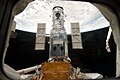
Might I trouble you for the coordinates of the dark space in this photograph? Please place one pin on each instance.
(92, 58)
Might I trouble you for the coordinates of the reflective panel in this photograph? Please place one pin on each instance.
(40, 37)
(76, 36)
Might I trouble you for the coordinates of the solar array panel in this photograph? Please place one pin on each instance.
(76, 36)
(40, 37)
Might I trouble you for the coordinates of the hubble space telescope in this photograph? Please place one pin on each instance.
(58, 66)
(58, 37)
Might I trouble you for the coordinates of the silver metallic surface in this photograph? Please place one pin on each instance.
(58, 34)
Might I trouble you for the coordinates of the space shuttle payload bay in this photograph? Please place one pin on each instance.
(58, 65)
